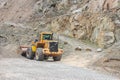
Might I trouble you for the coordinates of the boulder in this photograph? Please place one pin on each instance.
(79, 48)
(99, 50)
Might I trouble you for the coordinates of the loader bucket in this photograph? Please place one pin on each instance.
(24, 48)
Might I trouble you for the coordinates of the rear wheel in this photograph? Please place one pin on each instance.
(57, 58)
(39, 56)
(29, 53)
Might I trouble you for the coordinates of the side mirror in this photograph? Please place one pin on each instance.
(36, 40)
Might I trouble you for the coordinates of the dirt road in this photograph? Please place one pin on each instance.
(24, 69)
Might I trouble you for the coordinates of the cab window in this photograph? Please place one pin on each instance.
(47, 37)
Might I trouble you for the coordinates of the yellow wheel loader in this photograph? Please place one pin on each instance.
(43, 48)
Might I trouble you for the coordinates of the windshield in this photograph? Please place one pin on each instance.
(47, 36)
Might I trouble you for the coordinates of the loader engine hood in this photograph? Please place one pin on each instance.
(53, 46)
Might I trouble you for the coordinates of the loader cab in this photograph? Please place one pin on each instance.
(46, 37)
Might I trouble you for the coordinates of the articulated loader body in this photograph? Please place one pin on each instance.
(43, 48)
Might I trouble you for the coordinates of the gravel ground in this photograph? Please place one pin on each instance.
(24, 69)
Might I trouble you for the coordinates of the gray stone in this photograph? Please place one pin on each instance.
(99, 50)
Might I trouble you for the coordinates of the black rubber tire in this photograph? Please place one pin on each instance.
(39, 56)
(57, 58)
(29, 53)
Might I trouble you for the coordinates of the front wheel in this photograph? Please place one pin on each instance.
(39, 56)
(29, 53)
(57, 58)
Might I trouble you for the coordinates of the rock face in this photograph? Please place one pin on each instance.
(95, 27)
(105, 5)
(103, 34)
(16, 11)
(11, 33)
(95, 20)
(111, 4)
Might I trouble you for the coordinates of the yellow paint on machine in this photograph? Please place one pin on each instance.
(34, 48)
